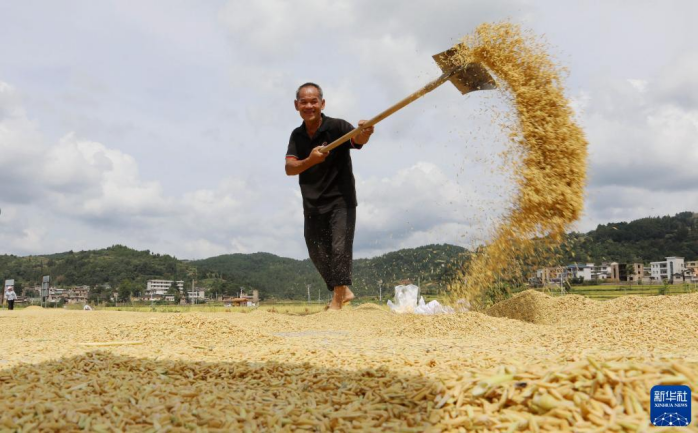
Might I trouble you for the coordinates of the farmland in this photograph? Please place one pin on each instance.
(533, 362)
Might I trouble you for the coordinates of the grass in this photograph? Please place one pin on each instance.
(605, 292)
(302, 308)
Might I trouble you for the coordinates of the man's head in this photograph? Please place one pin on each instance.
(309, 102)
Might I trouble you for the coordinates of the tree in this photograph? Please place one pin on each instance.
(630, 269)
(185, 295)
(664, 288)
(174, 290)
(98, 294)
(125, 291)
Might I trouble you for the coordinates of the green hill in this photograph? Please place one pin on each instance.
(287, 278)
(431, 266)
(275, 277)
(109, 267)
(644, 240)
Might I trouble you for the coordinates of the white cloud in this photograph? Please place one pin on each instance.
(73, 179)
(678, 81)
(639, 141)
(120, 188)
(639, 85)
(20, 150)
(420, 203)
(644, 149)
(167, 131)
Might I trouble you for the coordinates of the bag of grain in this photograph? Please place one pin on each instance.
(405, 299)
(432, 308)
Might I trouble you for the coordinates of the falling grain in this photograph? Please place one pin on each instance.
(551, 175)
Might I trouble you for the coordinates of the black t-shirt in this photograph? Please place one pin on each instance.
(330, 184)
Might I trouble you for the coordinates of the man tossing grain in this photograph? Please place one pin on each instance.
(327, 187)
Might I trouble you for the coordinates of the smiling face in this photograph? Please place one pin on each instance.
(309, 104)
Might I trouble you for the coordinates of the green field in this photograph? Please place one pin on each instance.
(598, 292)
(605, 292)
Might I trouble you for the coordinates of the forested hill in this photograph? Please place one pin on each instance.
(111, 266)
(277, 277)
(430, 265)
(642, 241)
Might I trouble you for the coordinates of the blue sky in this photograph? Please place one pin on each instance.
(163, 125)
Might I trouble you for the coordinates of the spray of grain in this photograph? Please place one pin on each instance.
(550, 176)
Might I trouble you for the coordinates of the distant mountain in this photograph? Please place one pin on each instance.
(110, 266)
(431, 266)
(286, 278)
(274, 276)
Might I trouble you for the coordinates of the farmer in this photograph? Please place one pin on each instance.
(11, 296)
(327, 187)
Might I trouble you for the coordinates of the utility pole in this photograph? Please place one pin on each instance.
(380, 290)
(308, 286)
(562, 287)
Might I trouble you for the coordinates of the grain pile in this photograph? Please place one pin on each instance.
(536, 307)
(553, 150)
(362, 369)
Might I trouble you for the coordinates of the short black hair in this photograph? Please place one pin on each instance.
(298, 92)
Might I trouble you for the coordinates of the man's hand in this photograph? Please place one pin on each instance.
(295, 167)
(316, 157)
(364, 135)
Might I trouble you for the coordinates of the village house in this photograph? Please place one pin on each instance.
(72, 295)
(673, 270)
(157, 289)
(198, 294)
(549, 275)
(691, 271)
(242, 300)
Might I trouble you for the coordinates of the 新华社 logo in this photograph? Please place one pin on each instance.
(670, 405)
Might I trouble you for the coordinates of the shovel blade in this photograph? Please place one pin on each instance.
(468, 78)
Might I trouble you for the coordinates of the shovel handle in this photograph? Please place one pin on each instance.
(408, 100)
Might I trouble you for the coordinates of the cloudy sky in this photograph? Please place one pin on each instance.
(163, 124)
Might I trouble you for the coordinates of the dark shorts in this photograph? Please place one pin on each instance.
(330, 240)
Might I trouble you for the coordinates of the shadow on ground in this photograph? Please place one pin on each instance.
(100, 391)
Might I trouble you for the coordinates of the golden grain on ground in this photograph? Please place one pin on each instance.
(532, 363)
(551, 174)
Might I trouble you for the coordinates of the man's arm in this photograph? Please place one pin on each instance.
(296, 166)
(364, 136)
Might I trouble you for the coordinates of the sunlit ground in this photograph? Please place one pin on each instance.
(550, 364)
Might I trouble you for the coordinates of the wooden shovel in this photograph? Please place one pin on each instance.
(467, 78)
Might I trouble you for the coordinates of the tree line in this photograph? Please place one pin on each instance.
(126, 271)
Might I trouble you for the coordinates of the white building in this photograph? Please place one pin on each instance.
(691, 272)
(577, 270)
(55, 294)
(549, 275)
(158, 288)
(603, 271)
(197, 294)
(668, 269)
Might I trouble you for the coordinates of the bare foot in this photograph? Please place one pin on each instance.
(336, 302)
(348, 295)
